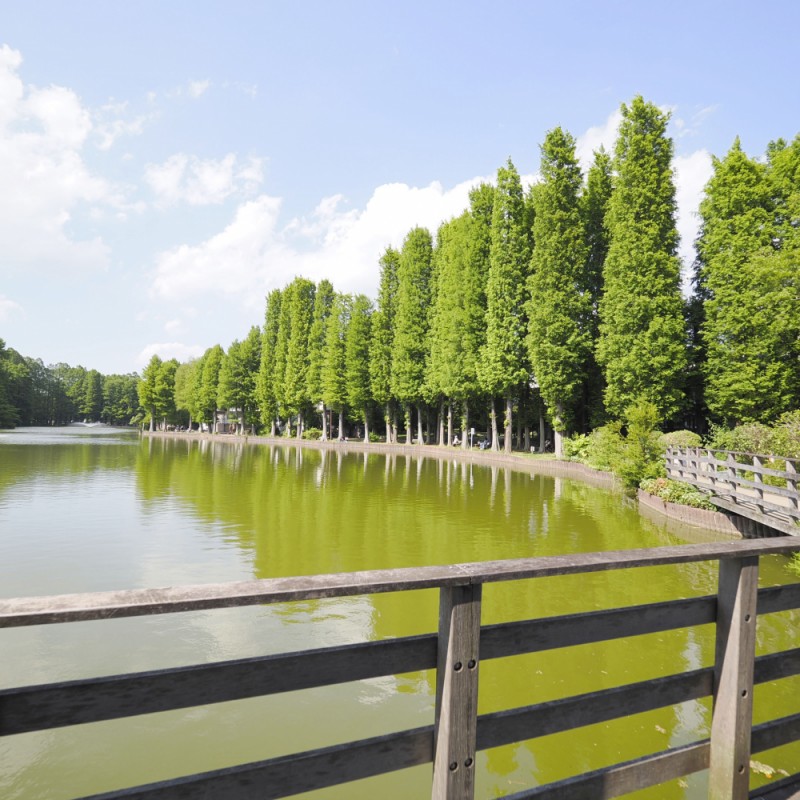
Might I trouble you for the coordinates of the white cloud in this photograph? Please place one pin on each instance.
(601, 135)
(110, 123)
(44, 178)
(692, 173)
(189, 179)
(255, 254)
(173, 325)
(8, 308)
(168, 350)
(197, 88)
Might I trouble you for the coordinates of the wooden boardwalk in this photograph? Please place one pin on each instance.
(749, 485)
(456, 651)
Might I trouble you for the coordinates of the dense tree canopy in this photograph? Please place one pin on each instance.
(571, 288)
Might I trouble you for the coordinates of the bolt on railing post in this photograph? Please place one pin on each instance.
(456, 693)
(732, 717)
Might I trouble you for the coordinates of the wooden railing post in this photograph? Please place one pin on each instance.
(732, 718)
(758, 477)
(791, 484)
(457, 693)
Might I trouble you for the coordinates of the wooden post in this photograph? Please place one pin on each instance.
(791, 484)
(732, 718)
(732, 472)
(758, 478)
(457, 693)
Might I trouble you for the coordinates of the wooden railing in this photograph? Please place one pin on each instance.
(745, 483)
(456, 652)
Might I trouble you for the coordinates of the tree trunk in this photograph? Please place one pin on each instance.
(465, 443)
(542, 431)
(366, 428)
(152, 420)
(387, 419)
(420, 435)
(527, 439)
(409, 437)
(493, 417)
(509, 423)
(440, 425)
(519, 429)
(272, 430)
(558, 439)
(299, 424)
(449, 423)
(324, 423)
(341, 424)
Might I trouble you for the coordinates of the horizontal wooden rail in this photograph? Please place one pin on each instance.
(25, 709)
(22, 611)
(741, 479)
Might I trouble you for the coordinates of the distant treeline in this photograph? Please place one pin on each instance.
(555, 309)
(33, 394)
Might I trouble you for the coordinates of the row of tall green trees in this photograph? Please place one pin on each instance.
(554, 308)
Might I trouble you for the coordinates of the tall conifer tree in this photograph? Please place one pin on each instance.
(642, 346)
(502, 365)
(380, 355)
(265, 384)
(334, 369)
(357, 343)
(412, 320)
(559, 308)
(295, 387)
(323, 304)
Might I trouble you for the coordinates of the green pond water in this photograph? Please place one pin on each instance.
(92, 509)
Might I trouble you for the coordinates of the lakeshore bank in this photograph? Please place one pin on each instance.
(715, 522)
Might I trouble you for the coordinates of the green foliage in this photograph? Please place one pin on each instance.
(300, 298)
(412, 320)
(633, 455)
(780, 439)
(357, 342)
(675, 492)
(323, 303)
(794, 563)
(642, 346)
(312, 434)
(383, 322)
(578, 447)
(502, 363)
(334, 385)
(266, 391)
(680, 439)
(559, 308)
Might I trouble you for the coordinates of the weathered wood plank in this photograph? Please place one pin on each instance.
(532, 636)
(620, 779)
(34, 708)
(304, 772)
(769, 520)
(775, 733)
(732, 715)
(530, 722)
(457, 693)
(785, 789)
(778, 598)
(16, 612)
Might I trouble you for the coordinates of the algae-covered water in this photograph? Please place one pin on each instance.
(91, 509)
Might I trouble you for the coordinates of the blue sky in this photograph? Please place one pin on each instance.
(164, 165)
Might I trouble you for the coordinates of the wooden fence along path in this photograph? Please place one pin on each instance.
(752, 486)
(456, 651)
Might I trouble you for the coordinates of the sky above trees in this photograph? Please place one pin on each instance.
(165, 166)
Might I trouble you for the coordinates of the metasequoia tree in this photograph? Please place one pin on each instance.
(357, 340)
(642, 345)
(266, 392)
(502, 364)
(380, 354)
(412, 319)
(559, 308)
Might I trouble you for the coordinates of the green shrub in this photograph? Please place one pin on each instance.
(312, 433)
(676, 492)
(680, 439)
(604, 447)
(794, 564)
(375, 437)
(577, 447)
